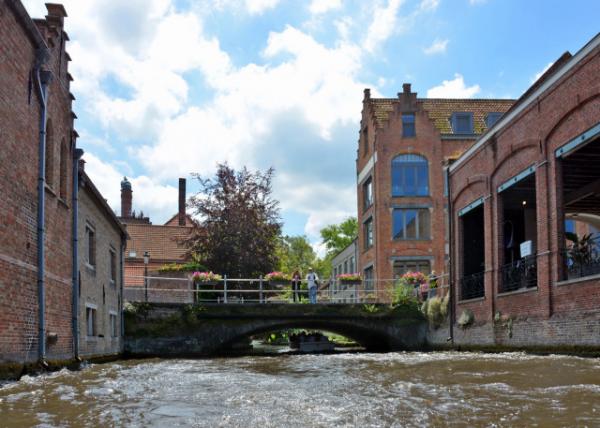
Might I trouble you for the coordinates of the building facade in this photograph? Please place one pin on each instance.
(37, 142)
(404, 148)
(101, 244)
(514, 195)
(344, 262)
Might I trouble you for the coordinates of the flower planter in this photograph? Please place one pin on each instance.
(351, 282)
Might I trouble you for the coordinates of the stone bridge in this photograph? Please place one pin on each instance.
(168, 329)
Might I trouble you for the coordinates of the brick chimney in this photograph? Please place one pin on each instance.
(126, 196)
(408, 99)
(182, 202)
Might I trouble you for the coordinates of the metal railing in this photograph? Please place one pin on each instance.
(258, 290)
(519, 274)
(472, 286)
(582, 260)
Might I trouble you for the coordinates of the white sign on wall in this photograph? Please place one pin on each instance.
(526, 248)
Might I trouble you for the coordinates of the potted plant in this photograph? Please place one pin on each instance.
(204, 281)
(278, 278)
(349, 278)
(417, 281)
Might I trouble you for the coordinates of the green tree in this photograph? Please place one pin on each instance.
(295, 252)
(336, 237)
(239, 223)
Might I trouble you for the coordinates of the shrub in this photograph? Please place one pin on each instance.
(182, 267)
(404, 295)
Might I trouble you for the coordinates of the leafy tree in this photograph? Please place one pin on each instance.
(295, 252)
(336, 237)
(239, 222)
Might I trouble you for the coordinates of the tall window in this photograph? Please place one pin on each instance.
(368, 193)
(113, 266)
(411, 223)
(408, 125)
(90, 316)
(462, 123)
(368, 231)
(90, 243)
(410, 176)
(368, 278)
(113, 324)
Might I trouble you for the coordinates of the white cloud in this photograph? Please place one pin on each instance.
(322, 6)
(257, 7)
(541, 72)
(156, 200)
(383, 25)
(429, 5)
(455, 88)
(438, 46)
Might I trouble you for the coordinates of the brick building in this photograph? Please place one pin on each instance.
(101, 244)
(162, 242)
(404, 148)
(37, 142)
(511, 194)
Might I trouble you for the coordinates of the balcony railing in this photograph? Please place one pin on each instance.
(472, 286)
(519, 274)
(583, 259)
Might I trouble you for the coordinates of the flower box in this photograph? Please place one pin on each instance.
(278, 278)
(349, 278)
(208, 278)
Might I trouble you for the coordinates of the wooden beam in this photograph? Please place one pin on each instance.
(590, 189)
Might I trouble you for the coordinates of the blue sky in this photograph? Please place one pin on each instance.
(166, 88)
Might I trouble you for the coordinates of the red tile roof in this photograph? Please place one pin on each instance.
(162, 242)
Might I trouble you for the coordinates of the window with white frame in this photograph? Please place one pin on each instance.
(90, 320)
(90, 245)
(114, 332)
(112, 255)
(368, 233)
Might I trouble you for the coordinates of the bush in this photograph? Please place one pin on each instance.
(436, 310)
(404, 295)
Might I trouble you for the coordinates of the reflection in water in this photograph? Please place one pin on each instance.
(395, 389)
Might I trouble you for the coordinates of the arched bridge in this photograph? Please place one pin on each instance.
(167, 329)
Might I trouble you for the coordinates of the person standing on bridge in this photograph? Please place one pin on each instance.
(296, 279)
(313, 281)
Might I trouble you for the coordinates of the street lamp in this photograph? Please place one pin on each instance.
(146, 260)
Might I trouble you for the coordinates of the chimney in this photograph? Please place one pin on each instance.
(406, 88)
(182, 202)
(126, 198)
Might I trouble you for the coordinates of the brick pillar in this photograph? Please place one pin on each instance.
(126, 197)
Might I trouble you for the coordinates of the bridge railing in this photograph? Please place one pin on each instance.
(257, 290)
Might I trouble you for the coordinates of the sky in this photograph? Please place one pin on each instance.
(167, 88)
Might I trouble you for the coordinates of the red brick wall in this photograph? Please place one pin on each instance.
(19, 119)
(568, 108)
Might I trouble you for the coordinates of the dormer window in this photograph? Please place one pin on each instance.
(492, 118)
(462, 123)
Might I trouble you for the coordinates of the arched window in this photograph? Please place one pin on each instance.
(49, 154)
(410, 176)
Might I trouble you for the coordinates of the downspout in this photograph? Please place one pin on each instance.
(77, 153)
(43, 79)
(450, 257)
(122, 279)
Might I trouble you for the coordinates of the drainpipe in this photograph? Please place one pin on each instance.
(77, 153)
(122, 280)
(43, 79)
(450, 258)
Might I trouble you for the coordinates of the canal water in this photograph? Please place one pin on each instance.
(350, 390)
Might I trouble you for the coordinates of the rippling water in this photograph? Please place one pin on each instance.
(395, 389)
